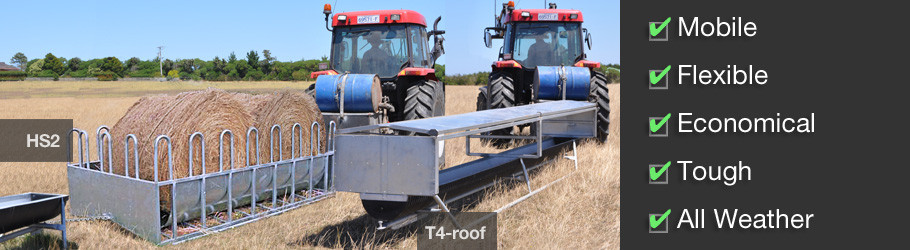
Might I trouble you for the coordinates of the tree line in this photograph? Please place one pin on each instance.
(254, 67)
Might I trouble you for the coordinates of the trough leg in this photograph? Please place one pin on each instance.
(445, 208)
(63, 222)
(525, 170)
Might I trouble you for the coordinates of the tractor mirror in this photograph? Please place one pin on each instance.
(487, 39)
(588, 40)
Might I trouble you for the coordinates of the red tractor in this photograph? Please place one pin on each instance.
(380, 68)
(543, 58)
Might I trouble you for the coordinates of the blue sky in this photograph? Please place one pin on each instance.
(292, 30)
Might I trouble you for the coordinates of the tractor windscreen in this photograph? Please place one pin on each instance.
(374, 49)
(546, 44)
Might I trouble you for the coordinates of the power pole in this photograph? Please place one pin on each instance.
(160, 61)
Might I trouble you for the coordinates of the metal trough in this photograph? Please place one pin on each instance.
(403, 174)
(245, 194)
(30, 210)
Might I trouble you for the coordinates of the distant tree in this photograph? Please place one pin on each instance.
(267, 60)
(218, 65)
(440, 72)
(238, 69)
(253, 59)
(35, 66)
(198, 64)
(19, 60)
(73, 64)
(232, 58)
(188, 65)
(254, 75)
(167, 65)
(324, 58)
(64, 62)
(53, 63)
(132, 63)
(112, 64)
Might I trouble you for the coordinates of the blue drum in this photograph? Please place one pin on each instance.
(362, 92)
(548, 83)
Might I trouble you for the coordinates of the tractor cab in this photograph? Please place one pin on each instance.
(380, 68)
(382, 42)
(539, 37)
(388, 43)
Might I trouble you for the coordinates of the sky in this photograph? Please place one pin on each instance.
(291, 30)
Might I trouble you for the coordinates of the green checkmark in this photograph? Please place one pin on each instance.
(656, 222)
(657, 174)
(656, 126)
(656, 78)
(656, 30)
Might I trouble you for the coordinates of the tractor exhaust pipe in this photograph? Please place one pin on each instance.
(438, 49)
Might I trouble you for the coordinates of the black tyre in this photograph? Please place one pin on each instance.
(600, 95)
(501, 91)
(311, 90)
(440, 96)
(482, 99)
(424, 99)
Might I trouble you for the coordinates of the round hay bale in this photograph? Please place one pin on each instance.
(209, 111)
(285, 108)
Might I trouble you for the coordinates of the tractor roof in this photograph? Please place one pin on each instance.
(378, 17)
(535, 15)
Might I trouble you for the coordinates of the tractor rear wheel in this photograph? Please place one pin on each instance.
(600, 95)
(502, 95)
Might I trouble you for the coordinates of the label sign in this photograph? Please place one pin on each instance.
(36, 140)
(474, 230)
(548, 17)
(368, 19)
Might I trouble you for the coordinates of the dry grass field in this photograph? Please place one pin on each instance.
(582, 211)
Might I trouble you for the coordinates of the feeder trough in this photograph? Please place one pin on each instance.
(31, 210)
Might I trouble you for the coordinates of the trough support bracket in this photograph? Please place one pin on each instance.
(574, 156)
(445, 209)
(527, 177)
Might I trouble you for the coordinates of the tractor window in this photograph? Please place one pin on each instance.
(546, 43)
(419, 51)
(373, 49)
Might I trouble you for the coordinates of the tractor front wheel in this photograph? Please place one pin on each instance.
(311, 90)
(501, 91)
(424, 99)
